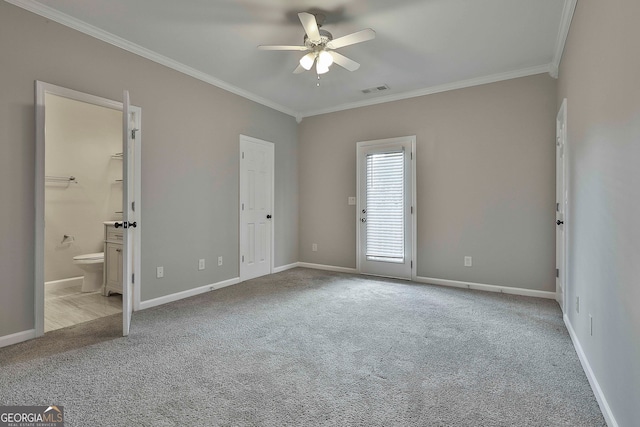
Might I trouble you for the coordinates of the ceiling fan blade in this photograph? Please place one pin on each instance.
(279, 47)
(357, 37)
(310, 26)
(344, 62)
(299, 69)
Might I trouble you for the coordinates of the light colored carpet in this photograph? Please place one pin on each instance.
(316, 348)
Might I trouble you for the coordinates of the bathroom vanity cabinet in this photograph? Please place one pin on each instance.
(112, 259)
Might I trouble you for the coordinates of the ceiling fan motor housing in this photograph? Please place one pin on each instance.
(325, 37)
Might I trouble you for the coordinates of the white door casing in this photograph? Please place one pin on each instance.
(386, 210)
(131, 185)
(561, 206)
(256, 207)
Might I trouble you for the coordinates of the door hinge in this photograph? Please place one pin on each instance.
(243, 154)
(133, 133)
(557, 272)
(411, 210)
(133, 278)
(133, 206)
(557, 207)
(412, 155)
(411, 263)
(243, 206)
(242, 258)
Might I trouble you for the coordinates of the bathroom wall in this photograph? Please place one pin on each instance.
(80, 141)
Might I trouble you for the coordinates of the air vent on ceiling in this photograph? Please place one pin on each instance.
(375, 89)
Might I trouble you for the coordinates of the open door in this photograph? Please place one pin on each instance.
(129, 220)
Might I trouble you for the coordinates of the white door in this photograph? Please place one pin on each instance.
(256, 207)
(385, 207)
(129, 220)
(561, 204)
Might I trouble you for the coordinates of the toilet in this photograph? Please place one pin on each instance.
(92, 265)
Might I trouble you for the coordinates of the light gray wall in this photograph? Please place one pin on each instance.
(81, 140)
(485, 181)
(189, 160)
(599, 76)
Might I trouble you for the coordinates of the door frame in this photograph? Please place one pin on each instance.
(41, 89)
(561, 138)
(243, 139)
(414, 198)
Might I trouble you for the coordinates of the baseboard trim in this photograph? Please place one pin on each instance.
(285, 267)
(485, 287)
(17, 337)
(593, 382)
(64, 283)
(186, 294)
(327, 267)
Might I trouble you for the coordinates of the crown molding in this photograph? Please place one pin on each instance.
(563, 32)
(524, 72)
(83, 27)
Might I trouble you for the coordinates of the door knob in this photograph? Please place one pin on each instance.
(268, 216)
(117, 224)
(559, 222)
(363, 219)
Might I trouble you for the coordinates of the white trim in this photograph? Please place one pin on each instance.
(17, 337)
(487, 288)
(114, 40)
(188, 293)
(285, 267)
(64, 283)
(327, 267)
(565, 23)
(41, 89)
(541, 69)
(593, 382)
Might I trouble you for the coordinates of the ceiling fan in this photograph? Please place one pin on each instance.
(321, 45)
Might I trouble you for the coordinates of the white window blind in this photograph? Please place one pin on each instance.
(385, 207)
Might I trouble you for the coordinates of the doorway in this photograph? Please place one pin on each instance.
(85, 134)
(561, 206)
(256, 207)
(386, 207)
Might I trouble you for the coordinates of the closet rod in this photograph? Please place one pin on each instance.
(61, 179)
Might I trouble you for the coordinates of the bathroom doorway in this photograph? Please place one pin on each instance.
(87, 236)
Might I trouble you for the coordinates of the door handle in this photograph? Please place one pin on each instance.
(559, 222)
(268, 216)
(125, 224)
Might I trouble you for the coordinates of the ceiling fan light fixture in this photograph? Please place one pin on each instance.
(307, 61)
(325, 59)
(320, 69)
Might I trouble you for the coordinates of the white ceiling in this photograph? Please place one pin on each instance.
(421, 46)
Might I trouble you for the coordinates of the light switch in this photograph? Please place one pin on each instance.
(352, 201)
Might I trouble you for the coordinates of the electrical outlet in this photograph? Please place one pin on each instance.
(219, 261)
(352, 201)
(577, 304)
(468, 261)
(159, 272)
(314, 247)
(201, 264)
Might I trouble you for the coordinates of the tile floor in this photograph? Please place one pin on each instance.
(69, 306)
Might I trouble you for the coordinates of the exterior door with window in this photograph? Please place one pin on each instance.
(385, 197)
